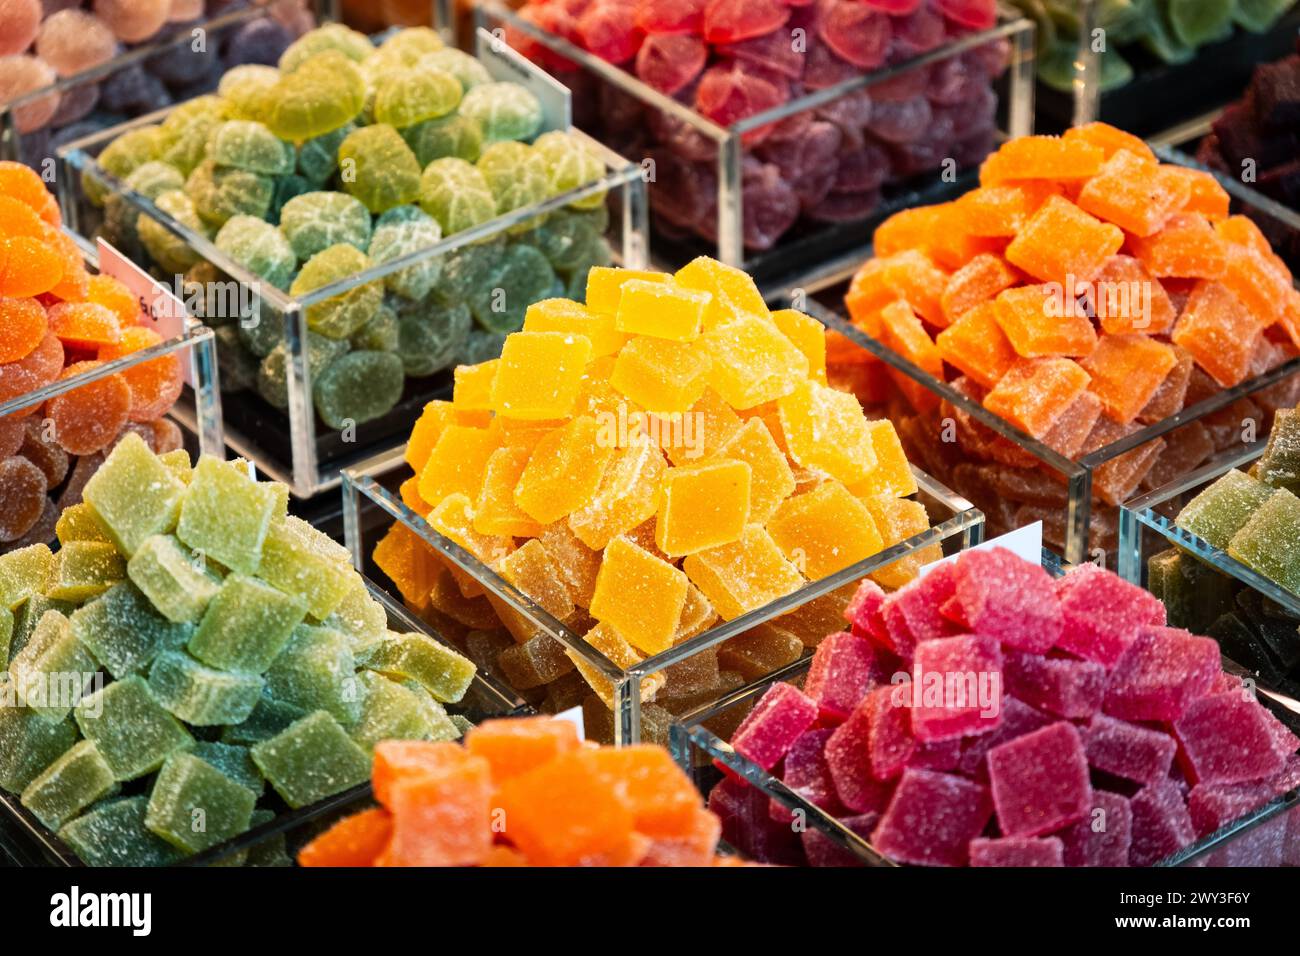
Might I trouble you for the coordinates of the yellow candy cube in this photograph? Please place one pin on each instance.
(892, 475)
(596, 396)
(454, 519)
(734, 292)
(825, 429)
(433, 421)
(753, 362)
(770, 415)
(446, 599)
(456, 463)
(578, 563)
(411, 564)
(898, 519)
(626, 497)
(605, 286)
(472, 389)
(565, 315)
(702, 506)
(808, 336)
(517, 433)
(699, 432)
(639, 595)
(531, 569)
(697, 615)
(825, 530)
(744, 575)
(564, 471)
(659, 375)
(409, 492)
(771, 480)
(538, 375)
(661, 309)
(609, 642)
(495, 511)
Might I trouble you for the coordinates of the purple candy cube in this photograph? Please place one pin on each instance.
(1162, 671)
(1225, 739)
(775, 723)
(863, 613)
(1007, 598)
(1103, 837)
(1018, 719)
(956, 687)
(1017, 851)
(822, 850)
(939, 755)
(1040, 781)
(932, 818)
(746, 825)
(1102, 613)
(1161, 824)
(807, 774)
(1126, 750)
(1067, 688)
(843, 669)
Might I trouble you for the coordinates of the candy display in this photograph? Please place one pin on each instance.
(994, 716)
(729, 62)
(1083, 291)
(344, 159)
(193, 659)
(57, 322)
(523, 792)
(665, 457)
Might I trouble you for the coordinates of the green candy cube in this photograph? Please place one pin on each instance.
(194, 805)
(178, 463)
(462, 725)
(133, 732)
(246, 625)
(134, 494)
(1266, 543)
(177, 581)
(29, 743)
(1279, 466)
(269, 717)
(234, 761)
(435, 714)
(359, 615)
(440, 670)
(314, 759)
(1220, 511)
(52, 671)
(84, 569)
(6, 632)
(391, 711)
(298, 559)
(316, 671)
(66, 787)
(29, 614)
(113, 833)
(201, 695)
(123, 632)
(226, 514)
(24, 573)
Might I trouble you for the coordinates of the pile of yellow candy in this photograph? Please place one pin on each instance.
(664, 456)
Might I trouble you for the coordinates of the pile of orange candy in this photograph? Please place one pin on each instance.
(58, 321)
(524, 792)
(1083, 291)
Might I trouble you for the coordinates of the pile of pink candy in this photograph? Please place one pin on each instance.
(1090, 733)
(733, 59)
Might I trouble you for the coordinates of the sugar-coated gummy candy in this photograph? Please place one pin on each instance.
(315, 221)
(321, 95)
(260, 248)
(456, 194)
(310, 760)
(358, 387)
(123, 631)
(132, 731)
(406, 97)
(342, 314)
(68, 785)
(380, 168)
(401, 231)
(504, 111)
(113, 833)
(186, 784)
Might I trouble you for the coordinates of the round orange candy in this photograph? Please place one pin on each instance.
(113, 294)
(13, 431)
(22, 183)
(22, 497)
(22, 326)
(30, 267)
(36, 370)
(84, 324)
(155, 384)
(167, 435)
(75, 283)
(19, 219)
(87, 418)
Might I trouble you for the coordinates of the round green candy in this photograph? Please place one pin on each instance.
(149, 180)
(520, 278)
(565, 238)
(273, 373)
(239, 367)
(260, 334)
(431, 339)
(286, 188)
(412, 44)
(455, 193)
(260, 248)
(119, 158)
(330, 37)
(571, 164)
(380, 334)
(516, 173)
(220, 192)
(454, 135)
(468, 268)
(504, 111)
(340, 315)
(318, 158)
(246, 90)
(469, 71)
(246, 144)
(402, 231)
(481, 346)
(171, 252)
(357, 388)
(378, 168)
(410, 96)
(315, 221)
(323, 94)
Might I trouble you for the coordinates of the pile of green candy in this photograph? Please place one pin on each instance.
(1170, 30)
(345, 157)
(233, 646)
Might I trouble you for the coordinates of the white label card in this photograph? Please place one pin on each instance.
(1026, 542)
(508, 65)
(160, 309)
(574, 716)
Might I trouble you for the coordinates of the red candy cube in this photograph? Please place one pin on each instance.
(807, 774)
(1018, 719)
(1007, 598)
(1104, 836)
(912, 615)
(1040, 781)
(775, 723)
(821, 850)
(1017, 851)
(932, 818)
(1126, 750)
(843, 669)
(1162, 671)
(1224, 739)
(1101, 613)
(1161, 823)
(863, 613)
(956, 687)
(1066, 688)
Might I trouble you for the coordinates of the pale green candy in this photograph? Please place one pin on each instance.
(359, 387)
(359, 615)
(177, 582)
(269, 718)
(225, 517)
(462, 725)
(340, 315)
(29, 743)
(517, 175)
(412, 44)
(316, 671)
(435, 714)
(273, 373)
(246, 89)
(324, 94)
(261, 336)
(454, 135)
(402, 231)
(465, 68)
(123, 631)
(1269, 543)
(504, 111)
(331, 36)
(220, 192)
(24, 573)
(318, 158)
(260, 248)
(112, 833)
(178, 463)
(1279, 466)
(381, 334)
(119, 158)
(568, 239)
(203, 696)
(298, 559)
(412, 96)
(149, 180)
(28, 616)
(521, 277)
(187, 129)
(286, 188)
(6, 634)
(66, 787)
(84, 569)
(432, 338)
(247, 144)
(440, 670)
(1220, 511)
(189, 790)
(247, 624)
(455, 193)
(169, 251)
(235, 762)
(312, 760)
(392, 712)
(315, 221)
(132, 731)
(377, 167)
(571, 164)
(468, 268)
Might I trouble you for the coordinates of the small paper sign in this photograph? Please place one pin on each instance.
(160, 309)
(508, 65)
(574, 716)
(1026, 542)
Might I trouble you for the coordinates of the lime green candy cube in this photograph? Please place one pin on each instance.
(269, 718)
(440, 670)
(1219, 512)
(112, 833)
(226, 515)
(463, 725)
(123, 632)
(134, 494)
(246, 625)
(1266, 543)
(359, 615)
(84, 569)
(29, 743)
(298, 559)
(316, 671)
(311, 760)
(24, 573)
(29, 614)
(200, 695)
(178, 463)
(234, 761)
(52, 671)
(80, 522)
(6, 632)
(132, 730)
(66, 787)
(194, 806)
(391, 711)
(1279, 466)
(176, 580)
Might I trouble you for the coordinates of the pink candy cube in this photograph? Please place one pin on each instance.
(1066, 688)
(1104, 836)
(843, 669)
(937, 755)
(747, 825)
(956, 687)
(775, 723)
(807, 774)
(1225, 739)
(1018, 719)
(1006, 598)
(1163, 670)
(912, 614)
(1102, 613)
(1213, 806)
(1016, 851)
(1161, 824)
(1126, 750)
(822, 850)
(850, 756)
(1040, 781)
(931, 819)
(863, 613)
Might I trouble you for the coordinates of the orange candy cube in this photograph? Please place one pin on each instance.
(1003, 210)
(902, 331)
(1126, 298)
(702, 506)
(976, 345)
(1109, 140)
(1040, 321)
(457, 463)
(626, 498)
(660, 375)
(472, 389)
(410, 563)
(824, 530)
(1042, 157)
(662, 799)
(1035, 392)
(433, 421)
(892, 475)
(897, 520)
(978, 281)
(404, 759)
(1061, 241)
(516, 746)
(1204, 194)
(1258, 278)
(1187, 248)
(639, 595)
(564, 471)
(826, 430)
(1136, 194)
(808, 336)
(1126, 371)
(771, 480)
(357, 840)
(495, 511)
(744, 575)
(1219, 332)
(441, 817)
